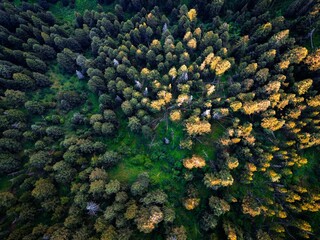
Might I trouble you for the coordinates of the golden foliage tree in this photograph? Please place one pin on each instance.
(195, 126)
(194, 162)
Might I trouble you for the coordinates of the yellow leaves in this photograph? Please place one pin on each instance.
(191, 203)
(222, 67)
(173, 72)
(266, 26)
(210, 89)
(182, 98)
(131, 211)
(278, 228)
(255, 107)
(183, 68)
(251, 167)
(235, 106)
(144, 71)
(232, 163)
(187, 36)
(164, 98)
(279, 38)
(274, 177)
(303, 225)
(218, 179)
(272, 123)
(313, 61)
(303, 86)
(214, 62)
(292, 197)
(175, 116)
(197, 32)
(314, 102)
(296, 55)
(192, 14)
(157, 104)
(192, 43)
(250, 206)
(194, 162)
(196, 127)
(251, 68)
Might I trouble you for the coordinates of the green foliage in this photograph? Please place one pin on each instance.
(101, 103)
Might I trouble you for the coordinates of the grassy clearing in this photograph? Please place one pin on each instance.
(67, 14)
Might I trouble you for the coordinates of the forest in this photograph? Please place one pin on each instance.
(159, 119)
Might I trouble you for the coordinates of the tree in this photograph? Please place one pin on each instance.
(218, 205)
(177, 233)
(64, 173)
(195, 126)
(36, 65)
(192, 14)
(140, 185)
(148, 218)
(67, 61)
(40, 159)
(194, 162)
(54, 131)
(303, 86)
(222, 66)
(155, 197)
(107, 129)
(250, 206)
(108, 159)
(23, 81)
(97, 187)
(44, 189)
(134, 124)
(296, 55)
(127, 108)
(272, 123)
(218, 179)
(191, 203)
(112, 187)
(131, 211)
(7, 199)
(208, 222)
(313, 61)
(14, 98)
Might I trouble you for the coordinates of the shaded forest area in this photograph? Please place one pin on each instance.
(136, 119)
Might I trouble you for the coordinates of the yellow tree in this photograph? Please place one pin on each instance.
(194, 162)
(272, 123)
(192, 14)
(313, 61)
(296, 55)
(191, 203)
(250, 206)
(303, 86)
(195, 126)
(222, 67)
(218, 179)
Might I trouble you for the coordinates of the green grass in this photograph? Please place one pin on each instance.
(67, 14)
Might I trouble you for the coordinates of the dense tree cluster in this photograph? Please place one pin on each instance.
(68, 92)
